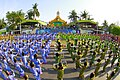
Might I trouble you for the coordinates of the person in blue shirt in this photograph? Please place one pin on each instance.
(37, 64)
(1, 73)
(18, 67)
(42, 51)
(6, 66)
(10, 75)
(33, 70)
(24, 60)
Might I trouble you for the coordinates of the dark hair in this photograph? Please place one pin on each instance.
(86, 46)
(74, 48)
(109, 56)
(57, 54)
(103, 50)
(60, 66)
(98, 60)
(7, 73)
(94, 53)
(10, 52)
(15, 60)
(25, 76)
(71, 44)
(78, 52)
(85, 63)
(42, 46)
(112, 74)
(23, 54)
(32, 64)
(118, 64)
(36, 56)
(92, 75)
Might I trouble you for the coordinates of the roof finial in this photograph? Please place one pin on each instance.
(58, 13)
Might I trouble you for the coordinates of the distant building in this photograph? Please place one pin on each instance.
(88, 26)
(57, 21)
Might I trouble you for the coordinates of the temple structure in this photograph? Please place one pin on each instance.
(57, 21)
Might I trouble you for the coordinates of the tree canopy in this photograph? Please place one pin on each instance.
(2, 23)
(14, 17)
(73, 16)
(33, 13)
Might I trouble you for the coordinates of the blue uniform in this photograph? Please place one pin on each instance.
(21, 71)
(35, 73)
(1, 74)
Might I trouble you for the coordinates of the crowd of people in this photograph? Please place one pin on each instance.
(86, 53)
(22, 53)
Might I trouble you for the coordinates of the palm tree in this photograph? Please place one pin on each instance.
(89, 18)
(29, 14)
(2, 23)
(105, 25)
(35, 11)
(73, 16)
(20, 15)
(84, 15)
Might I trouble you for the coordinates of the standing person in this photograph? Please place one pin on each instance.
(107, 61)
(78, 56)
(103, 54)
(37, 64)
(114, 59)
(74, 52)
(33, 70)
(42, 51)
(75, 41)
(60, 68)
(97, 67)
(109, 77)
(10, 75)
(68, 45)
(81, 73)
(26, 77)
(58, 57)
(117, 67)
(24, 60)
(93, 54)
(18, 67)
(6, 66)
(12, 57)
(92, 76)
(1, 73)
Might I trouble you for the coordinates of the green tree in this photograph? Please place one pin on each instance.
(89, 18)
(73, 16)
(84, 15)
(111, 26)
(29, 14)
(105, 25)
(2, 23)
(14, 18)
(115, 30)
(35, 11)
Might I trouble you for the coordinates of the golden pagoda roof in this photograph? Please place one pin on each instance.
(57, 19)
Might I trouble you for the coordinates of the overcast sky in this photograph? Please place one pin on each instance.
(100, 10)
